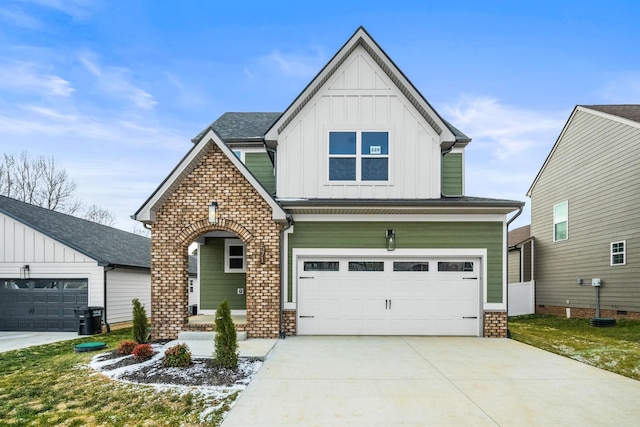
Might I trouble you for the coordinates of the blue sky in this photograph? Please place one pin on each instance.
(115, 89)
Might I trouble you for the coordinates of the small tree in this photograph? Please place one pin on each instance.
(226, 342)
(140, 322)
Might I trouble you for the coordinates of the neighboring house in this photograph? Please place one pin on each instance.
(521, 283)
(585, 204)
(520, 255)
(51, 263)
(194, 285)
(357, 225)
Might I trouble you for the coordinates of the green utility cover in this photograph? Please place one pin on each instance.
(89, 346)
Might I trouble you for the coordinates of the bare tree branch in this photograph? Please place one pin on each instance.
(41, 182)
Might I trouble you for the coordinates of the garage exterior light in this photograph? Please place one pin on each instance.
(391, 240)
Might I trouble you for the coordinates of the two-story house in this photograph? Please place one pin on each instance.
(584, 216)
(345, 214)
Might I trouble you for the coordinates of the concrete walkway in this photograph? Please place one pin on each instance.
(430, 381)
(17, 340)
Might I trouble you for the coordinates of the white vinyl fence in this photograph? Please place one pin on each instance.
(522, 298)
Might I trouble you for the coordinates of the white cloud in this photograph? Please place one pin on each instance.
(78, 9)
(117, 81)
(504, 130)
(27, 76)
(509, 145)
(19, 18)
(624, 89)
(291, 65)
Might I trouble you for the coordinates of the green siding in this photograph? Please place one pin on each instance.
(452, 174)
(261, 167)
(408, 235)
(215, 284)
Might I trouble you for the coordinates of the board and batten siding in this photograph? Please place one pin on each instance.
(259, 164)
(424, 235)
(123, 285)
(46, 257)
(215, 284)
(359, 97)
(596, 168)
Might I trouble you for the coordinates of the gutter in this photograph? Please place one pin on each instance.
(104, 287)
(283, 252)
(520, 209)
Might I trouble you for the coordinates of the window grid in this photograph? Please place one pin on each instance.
(234, 256)
(365, 159)
(618, 253)
(561, 221)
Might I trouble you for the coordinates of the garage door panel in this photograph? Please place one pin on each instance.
(351, 300)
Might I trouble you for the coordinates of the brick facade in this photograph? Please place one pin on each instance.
(495, 324)
(586, 313)
(184, 217)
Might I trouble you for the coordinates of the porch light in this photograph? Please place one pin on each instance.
(391, 240)
(213, 213)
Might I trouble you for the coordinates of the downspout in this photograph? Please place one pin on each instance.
(520, 209)
(283, 253)
(444, 153)
(104, 287)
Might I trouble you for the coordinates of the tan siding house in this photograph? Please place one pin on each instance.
(586, 215)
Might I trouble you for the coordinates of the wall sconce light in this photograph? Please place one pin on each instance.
(24, 272)
(213, 213)
(390, 235)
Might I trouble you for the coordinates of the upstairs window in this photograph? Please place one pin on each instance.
(234, 256)
(618, 253)
(359, 156)
(561, 221)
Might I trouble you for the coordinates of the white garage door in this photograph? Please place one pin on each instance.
(369, 296)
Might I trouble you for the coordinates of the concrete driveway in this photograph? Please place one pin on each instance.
(427, 381)
(17, 340)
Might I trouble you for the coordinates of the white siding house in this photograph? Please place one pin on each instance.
(52, 263)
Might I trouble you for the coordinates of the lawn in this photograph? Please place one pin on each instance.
(616, 349)
(52, 385)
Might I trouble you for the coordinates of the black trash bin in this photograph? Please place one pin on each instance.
(89, 320)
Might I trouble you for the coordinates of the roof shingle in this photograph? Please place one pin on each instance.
(107, 245)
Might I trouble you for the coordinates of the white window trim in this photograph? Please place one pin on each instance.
(234, 242)
(359, 156)
(624, 253)
(554, 222)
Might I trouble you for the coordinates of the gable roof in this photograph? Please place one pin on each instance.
(519, 235)
(237, 127)
(147, 212)
(361, 37)
(625, 113)
(106, 245)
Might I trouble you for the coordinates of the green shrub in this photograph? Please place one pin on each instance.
(126, 347)
(226, 342)
(177, 356)
(142, 352)
(140, 323)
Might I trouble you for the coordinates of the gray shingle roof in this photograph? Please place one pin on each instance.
(241, 126)
(107, 245)
(627, 111)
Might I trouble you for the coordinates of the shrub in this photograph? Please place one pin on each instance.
(142, 352)
(226, 342)
(177, 356)
(140, 323)
(126, 347)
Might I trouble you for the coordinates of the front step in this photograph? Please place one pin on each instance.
(206, 336)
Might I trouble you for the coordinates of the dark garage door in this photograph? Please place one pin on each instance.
(41, 304)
